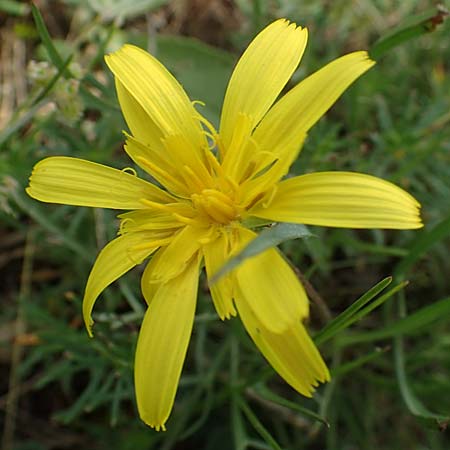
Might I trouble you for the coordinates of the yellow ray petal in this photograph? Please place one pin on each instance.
(264, 183)
(148, 220)
(148, 285)
(216, 253)
(341, 199)
(261, 73)
(177, 254)
(115, 259)
(243, 157)
(291, 353)
(158, 93)
(156, 162)
(268, 284)
(162, 345)
(139, 122)
(73, 181)
(286, 124)
(190, 167)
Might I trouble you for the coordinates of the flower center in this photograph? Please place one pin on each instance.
(215, 205)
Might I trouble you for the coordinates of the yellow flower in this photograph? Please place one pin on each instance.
(214, 181)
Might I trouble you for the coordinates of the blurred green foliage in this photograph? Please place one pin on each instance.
(389, 351)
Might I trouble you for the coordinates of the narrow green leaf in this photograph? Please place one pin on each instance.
(269, 237)
(96, 377)
(257, 425)
(103, 394)
(53, 80)
(412, 324)
(375, 304)
(54, 372)
(118, 392)
(412, 28)
(206, 392)
(267, 394)
(340, 321)
(412, 402)
(355, 364)
(45, 37)
(239, 433)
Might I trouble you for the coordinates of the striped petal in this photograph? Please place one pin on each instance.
(162, 345)
(291, 353)
(216, 253)
(73, 181)
(261, 73)
(156, 163)
(173, 258)
(139, 122)
(341, 199)
(116, 258)
(158, 93)
(284, 127)
(148, 220)
(267, 283)
(148, 285)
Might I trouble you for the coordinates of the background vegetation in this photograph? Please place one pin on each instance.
(391, 384)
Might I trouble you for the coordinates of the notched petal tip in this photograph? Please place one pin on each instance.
(88, 324)
(284, 22)
(29, 190)
(229, 314)
(262, 72)
(160, 426)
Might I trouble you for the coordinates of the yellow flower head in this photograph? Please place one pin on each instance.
(213, 181)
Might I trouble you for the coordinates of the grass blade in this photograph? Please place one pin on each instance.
(355, 364)
(257, 425)
(412, 28)
(340, 321)
(53, 54)
(412, 402)
(267, 394)
(414, 323)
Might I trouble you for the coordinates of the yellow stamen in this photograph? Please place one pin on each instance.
(220, 195)
(215, 165)
(197, 183)
(270, 196)
(130, 170)
(215, 205)
(198, 102)
(186, 220)
(160, 206)
(123, 223)
(213, 139)
(166, 178)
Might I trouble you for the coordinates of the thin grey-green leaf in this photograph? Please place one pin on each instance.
(268, 238)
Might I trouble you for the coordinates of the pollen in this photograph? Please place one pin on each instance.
(215, 206)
